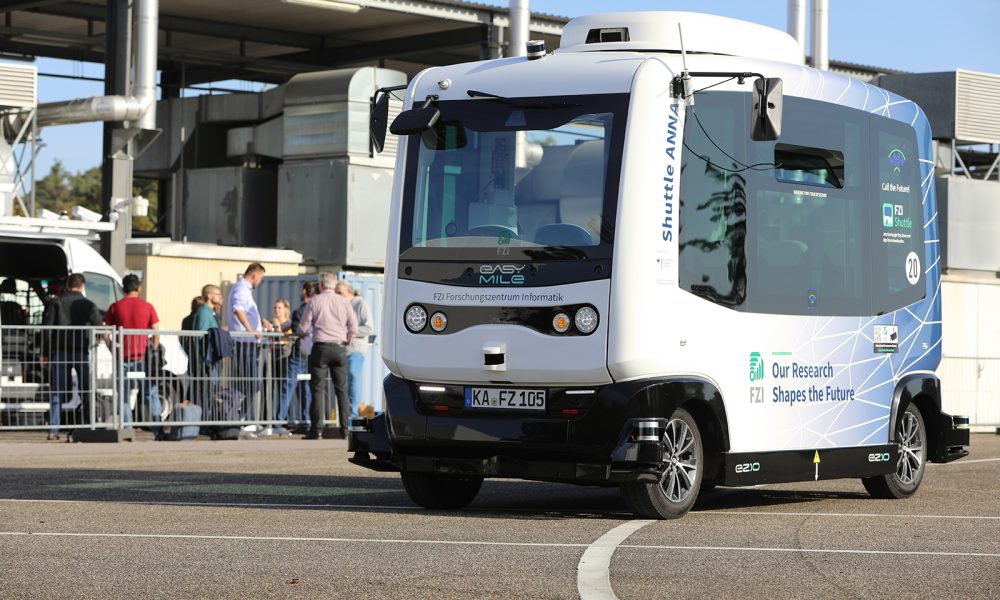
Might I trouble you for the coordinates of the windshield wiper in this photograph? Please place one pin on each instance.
(519, 103)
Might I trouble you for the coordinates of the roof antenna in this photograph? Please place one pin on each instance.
(685, 75)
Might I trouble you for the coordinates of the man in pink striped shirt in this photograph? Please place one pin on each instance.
(331, 320)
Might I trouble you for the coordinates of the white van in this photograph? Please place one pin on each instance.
(36, 256)
(35, 253)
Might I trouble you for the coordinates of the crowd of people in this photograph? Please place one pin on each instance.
(327, 336)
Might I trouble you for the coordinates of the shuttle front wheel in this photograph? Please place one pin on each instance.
(911, 435)
(680, 480)
(441, 492)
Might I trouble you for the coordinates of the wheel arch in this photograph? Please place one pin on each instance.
(702, 399)
(923, 390)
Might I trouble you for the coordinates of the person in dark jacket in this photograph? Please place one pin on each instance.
(68, 350)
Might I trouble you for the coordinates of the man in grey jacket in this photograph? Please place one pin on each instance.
(358, 349)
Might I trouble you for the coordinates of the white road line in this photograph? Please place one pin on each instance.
(514, 509)
(605, 511)
(633, 525)
(967, 462)
(816, 551)
(262, 538)
(593, 578)
(858, 515)
(217, 504)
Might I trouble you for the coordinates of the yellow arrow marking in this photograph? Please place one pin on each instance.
(816, 458)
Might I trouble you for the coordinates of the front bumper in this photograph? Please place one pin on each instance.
(952, 438)
(592, 441)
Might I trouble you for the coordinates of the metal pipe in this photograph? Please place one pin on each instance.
(520, 15)
(797, 24)
(145, 61)
(84, 110)
(139, 108)
(821, 35)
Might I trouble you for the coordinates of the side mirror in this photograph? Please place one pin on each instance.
(379, 121)
(765, 115)
(415, 120)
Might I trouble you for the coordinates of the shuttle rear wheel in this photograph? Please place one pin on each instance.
(443, 492)
(680, 480)
(911, 435)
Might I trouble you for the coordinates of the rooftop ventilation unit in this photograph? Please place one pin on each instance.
(657, 31)
(18, 86)
(961, 105)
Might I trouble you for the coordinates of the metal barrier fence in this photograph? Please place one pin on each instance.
(65, 378)
(372, 288)
(58, 377)
(173, 382)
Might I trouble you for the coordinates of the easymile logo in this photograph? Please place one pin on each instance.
(504, 274)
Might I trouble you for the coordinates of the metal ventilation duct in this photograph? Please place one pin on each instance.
(797, 24)
(961, 105)
(327, 112)
(821, 35)
(138, 108)
(520, 15)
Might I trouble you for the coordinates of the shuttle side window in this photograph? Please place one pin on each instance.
(827, 222)
(898, 267)
(808, 223)
(713, 200)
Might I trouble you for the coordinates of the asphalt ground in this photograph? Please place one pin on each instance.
(292, 518)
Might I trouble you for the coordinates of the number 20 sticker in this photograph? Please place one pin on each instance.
(912, 268)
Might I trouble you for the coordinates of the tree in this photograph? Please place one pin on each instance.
(61, 190)
(53, 191)
(86, 186)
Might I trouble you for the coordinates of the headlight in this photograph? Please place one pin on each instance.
(415, 318)
(586, 320)
(439, 321)
(561, 323)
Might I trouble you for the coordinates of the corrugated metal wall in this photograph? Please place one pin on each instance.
(170, 282)
(372, 288)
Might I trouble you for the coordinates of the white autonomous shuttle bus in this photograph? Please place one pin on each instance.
(607, 266)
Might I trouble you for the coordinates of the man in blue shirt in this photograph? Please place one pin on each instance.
(244, 319)
(243, 313)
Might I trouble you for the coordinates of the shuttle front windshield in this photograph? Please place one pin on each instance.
(515, 179)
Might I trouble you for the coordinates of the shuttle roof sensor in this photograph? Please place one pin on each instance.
(536, 49)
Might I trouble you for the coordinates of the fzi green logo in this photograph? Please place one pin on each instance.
(887, 214)
(756, 367)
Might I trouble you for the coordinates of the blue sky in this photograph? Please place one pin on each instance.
(909, 35)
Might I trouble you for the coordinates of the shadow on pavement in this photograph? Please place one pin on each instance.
(498, 498)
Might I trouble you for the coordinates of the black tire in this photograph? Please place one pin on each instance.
(911, 435)
(441, 492)
(676, 491)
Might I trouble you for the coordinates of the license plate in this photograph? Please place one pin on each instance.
(508, 398)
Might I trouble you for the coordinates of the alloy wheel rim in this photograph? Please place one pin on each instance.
(911, 445)
(679, 460)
